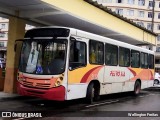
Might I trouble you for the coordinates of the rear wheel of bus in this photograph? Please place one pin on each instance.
(137, 88)
(92, 92)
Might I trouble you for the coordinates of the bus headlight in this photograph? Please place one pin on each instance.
(21, 79)
(58, 82)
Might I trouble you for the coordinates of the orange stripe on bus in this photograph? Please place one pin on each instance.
(86, 76)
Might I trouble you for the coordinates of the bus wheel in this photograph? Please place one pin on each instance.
(92, 93)
(97, 92)
(137, 88)
(156, 81)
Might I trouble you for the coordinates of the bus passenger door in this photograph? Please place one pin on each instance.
(77, 68)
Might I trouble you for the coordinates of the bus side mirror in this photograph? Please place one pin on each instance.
(16, 42)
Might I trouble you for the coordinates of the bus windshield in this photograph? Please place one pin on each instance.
(43, 56)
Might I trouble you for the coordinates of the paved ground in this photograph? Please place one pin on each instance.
(109, 105)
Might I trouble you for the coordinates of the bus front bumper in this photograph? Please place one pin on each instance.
(57, 93)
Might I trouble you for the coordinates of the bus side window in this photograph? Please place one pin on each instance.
(144, 60)
(96, 52)
(77, 55)
(108, 58)
(124, 57)
(121, 60)
(151, 61)
(135, 59)
(111, 55)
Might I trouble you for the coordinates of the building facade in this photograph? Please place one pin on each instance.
(4, 24)
(140, 12)
(3, 36)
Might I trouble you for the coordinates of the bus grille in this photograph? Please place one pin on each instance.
(27, 83)
(36, 85)
(43, 85)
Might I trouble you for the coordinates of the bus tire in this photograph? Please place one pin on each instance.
(156, 81)
(96, 92)
(137, 88)
(92, 93)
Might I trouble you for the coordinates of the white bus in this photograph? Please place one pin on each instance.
(60, 63)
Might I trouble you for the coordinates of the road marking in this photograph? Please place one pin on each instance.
(141, 96)
(102, 103)
(147, 95)
(152, 94)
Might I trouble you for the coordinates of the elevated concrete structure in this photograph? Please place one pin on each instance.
(82, 14)
(16, 31)
(85, 15)
(113, 26)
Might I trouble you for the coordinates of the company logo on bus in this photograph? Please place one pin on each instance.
(117, 73)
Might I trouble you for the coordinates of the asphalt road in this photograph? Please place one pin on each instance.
(116, 106)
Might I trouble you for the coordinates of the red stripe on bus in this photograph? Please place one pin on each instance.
(133, 72)
(85, 77)
(152, 77)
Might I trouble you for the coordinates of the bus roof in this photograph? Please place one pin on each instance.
(84, 34)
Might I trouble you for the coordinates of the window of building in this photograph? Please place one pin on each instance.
(157, 61)
(141, 2)
(1, 44)
(96, 52)
(119, 11)
(2, 34)
(131, 2)
(77, 54)
(150, 14)
(151, 61)
(140, 23)
(111, 55)
(124, 57)
(158, 27)
(149, 26)
(135, 59)
(157, 49)
(141, 13)
(119, 1)
(158, 15)
(150, 4)
(144, 60)
(3, 26)
(130, 12)
(6, 35)
(158, 37)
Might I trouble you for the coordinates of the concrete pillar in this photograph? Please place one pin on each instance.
(1, 80)
(16, 31)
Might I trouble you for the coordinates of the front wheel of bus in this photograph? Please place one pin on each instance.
(137, 88)
(92, 93)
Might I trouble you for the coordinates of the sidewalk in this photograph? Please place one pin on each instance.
(8, 95)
